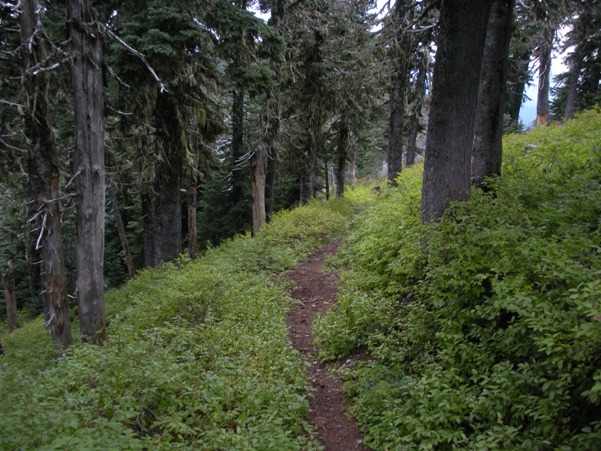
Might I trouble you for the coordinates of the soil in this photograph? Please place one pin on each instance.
(316, 293)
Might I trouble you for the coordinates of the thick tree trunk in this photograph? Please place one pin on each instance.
(447, 168)
(131, 270)
(258, 188)
(12, 317)
(192, 232)
(398, 91)
(88, 164)
(44, 176)
(341, 157)
(544, 77)
(167, 199)
(487, 152)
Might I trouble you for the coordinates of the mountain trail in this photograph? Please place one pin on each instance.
(315, 292)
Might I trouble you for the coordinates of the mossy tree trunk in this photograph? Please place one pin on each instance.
(44, 174)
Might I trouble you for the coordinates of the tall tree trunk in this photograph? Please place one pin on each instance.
(352, 164)
(327, 176)
(258, 188)
(237, 193)
(272, 169)
(274, 127)
(447, 168)
(487, 152)
(12, 317)
(192, 232)
(131, 270)
(518, 76)
(572, 84)
(148, 224)
(398, 90)
(44, 175)
(308, 178)
(581, 31)
(418, 100)
(544, 77)
(167, 199)
(341, 156)
(88, 163)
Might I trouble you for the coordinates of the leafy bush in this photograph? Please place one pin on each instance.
(197, 355)
(485, 329)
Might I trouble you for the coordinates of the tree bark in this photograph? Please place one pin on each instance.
(272, 169)
(398, 91)
(12, 317)
(88, 163)
(515, 90)
(148, 224)
(352, 164)
(237, 193)
(258, 188)
(44, 175)
(131, 270)
(341, 157)
(192, 232)
(308, 178)
(544, 77)
(418, 100)
(327, 176)
(274, 120)
(581, 31)
(487, 152)
(447, 167)
(168, 182)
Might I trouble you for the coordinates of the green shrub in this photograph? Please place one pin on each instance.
(197, 355)
(484, 329)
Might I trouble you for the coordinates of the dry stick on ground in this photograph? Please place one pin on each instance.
(316, 293)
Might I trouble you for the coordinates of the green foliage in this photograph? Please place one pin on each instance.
(484, 329)
(197, 355)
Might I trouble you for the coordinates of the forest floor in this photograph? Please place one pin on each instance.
(315, 291)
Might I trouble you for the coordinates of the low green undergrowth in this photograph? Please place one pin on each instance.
(197, 355)
(485, 329)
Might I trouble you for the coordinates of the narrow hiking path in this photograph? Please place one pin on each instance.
(316, 292)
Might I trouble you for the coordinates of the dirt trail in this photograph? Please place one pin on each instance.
(316, 293)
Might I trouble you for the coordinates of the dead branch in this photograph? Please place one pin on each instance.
(130, 49)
